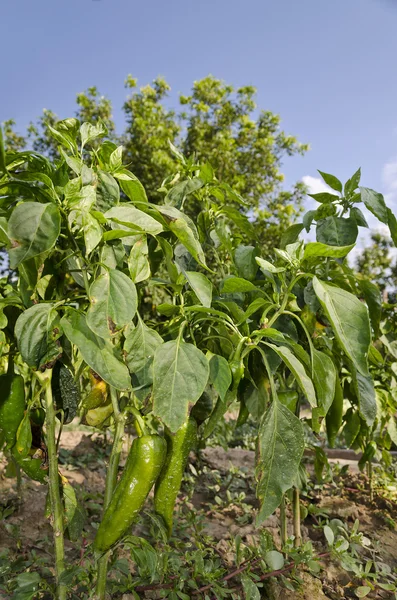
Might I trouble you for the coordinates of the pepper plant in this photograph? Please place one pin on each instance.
(113, 311)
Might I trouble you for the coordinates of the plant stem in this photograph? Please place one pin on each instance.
(55, 496)
(111, 480)
(370, 481)
(296, 517)
(283, 522)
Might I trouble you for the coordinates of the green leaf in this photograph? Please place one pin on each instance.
(90, 132)
(364, 387)
(280, 449)
(329, 535)
(220, 374)
(324, 378)
(3, 167)
(37, 331)
(133, 220)
(99, 354)
(255, 305)
(373, 300)
(65, 132)
(33, 229)
(319, 249)
(107, 191)
(324, 197)
(237, 284)
(298, 370)
(362, 591)
(357, 215)
(265, 265)
(113, 301)
(140, 346)
(274, 560)
(392, 222)
(337, 231)
(73, 513)
(138, 262)
(352, 184)
(332, 181)
(251, 591)
(375, 204)
(92, 232)
(244, 258)
(131, 185)
(180, 190)
(201, 286)
(291, 235)
(350, 322)
(185, 230)
(180, 375)
(24, 437)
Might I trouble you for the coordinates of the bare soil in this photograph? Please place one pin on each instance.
(87, 473)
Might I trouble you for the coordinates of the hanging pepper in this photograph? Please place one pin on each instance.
(12, 404)
(333, 419)
(169, 482)
(141, 470)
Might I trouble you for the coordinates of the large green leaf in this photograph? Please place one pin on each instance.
(232, 285)
(114, 302)
(180, 375)
(244, 258)
(324, 377)
(33, 228)
(364, 387)
(38, 331)
(131, 185)
(201, 286)
(298, 370)
(375, 204)
(139, 347)
(107, 191)
(373, 299)
(98, 353)
(319, 249)
(180, 190)
(280, 449)
(349, 319)
(220, 374)
(185, 230)
(392, 222)
(138, 262)
(337, 231)
(331, 180)
(132, 219)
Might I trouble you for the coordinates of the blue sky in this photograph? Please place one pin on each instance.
(328, 67)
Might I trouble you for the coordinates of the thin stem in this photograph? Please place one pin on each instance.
(283, 522)
(370, 481)
(111, 480)
(297, 517)
(55, 496)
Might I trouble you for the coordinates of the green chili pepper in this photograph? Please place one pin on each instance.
(142, 468)
(98, 395)
(96, 417)
(333, 419)
(12, 404)
(169, 482)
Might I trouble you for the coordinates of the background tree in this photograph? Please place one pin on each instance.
(379, 265)
(216, 123)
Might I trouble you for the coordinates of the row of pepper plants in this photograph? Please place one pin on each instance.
(134, 313)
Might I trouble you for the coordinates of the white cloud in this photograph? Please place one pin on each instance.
(316, 185)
